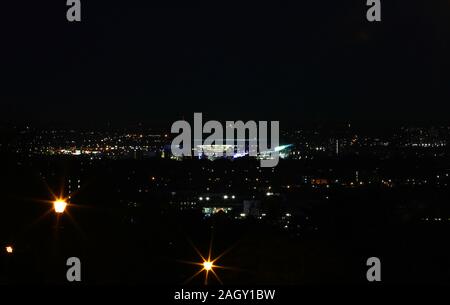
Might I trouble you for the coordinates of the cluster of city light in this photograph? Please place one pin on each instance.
(226, 197)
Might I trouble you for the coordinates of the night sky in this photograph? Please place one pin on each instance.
(128, 61)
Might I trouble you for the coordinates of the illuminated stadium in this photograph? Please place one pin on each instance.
(282, 150)
(216, 151)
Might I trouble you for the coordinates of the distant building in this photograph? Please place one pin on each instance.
(252, 208)
(214, 203)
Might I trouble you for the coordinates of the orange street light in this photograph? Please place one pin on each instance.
(9, 249)
(59, 206)
(208, 265)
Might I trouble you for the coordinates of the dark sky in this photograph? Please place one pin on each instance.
(128, 61)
